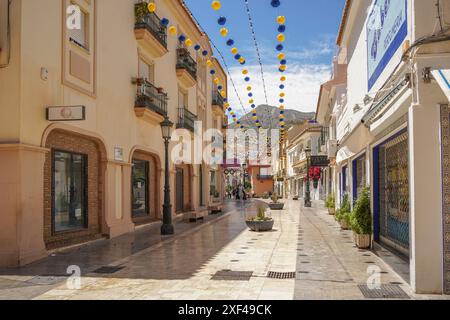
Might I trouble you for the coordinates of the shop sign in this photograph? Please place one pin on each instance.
(320, 161)
(387, 28)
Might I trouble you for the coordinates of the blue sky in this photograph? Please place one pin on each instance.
(309, 47)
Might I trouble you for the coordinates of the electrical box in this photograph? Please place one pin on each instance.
(445, 12)
(4, 45)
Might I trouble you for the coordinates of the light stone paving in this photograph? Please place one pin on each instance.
(305, 241)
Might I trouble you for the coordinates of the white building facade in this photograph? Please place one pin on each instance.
(392, 127)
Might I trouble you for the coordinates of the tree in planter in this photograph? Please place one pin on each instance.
(343, 214)
(331, 203)
(361, 219)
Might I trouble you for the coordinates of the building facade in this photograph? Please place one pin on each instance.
(390, 119)
(81, 146)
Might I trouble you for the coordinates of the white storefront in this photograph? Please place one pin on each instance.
(392, 129)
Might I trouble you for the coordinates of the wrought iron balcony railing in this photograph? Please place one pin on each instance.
(217, 99)
(186, 62)
(186, 119)
(150, 97)
(151, 22)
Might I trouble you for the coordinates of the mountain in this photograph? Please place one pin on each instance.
(267, 113)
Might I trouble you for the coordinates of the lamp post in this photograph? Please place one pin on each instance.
(308, 187)
(244, 169)
(167, 227)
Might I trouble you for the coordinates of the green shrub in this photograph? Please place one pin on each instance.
(345, 209)
(361, 218)
(331, 202)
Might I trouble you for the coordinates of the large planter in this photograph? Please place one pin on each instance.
(260, 226)
(362, 241)
(295, 198)
(344, 224)
(332, 211)
(276, 206)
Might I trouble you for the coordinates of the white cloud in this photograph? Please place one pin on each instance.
(302, 86)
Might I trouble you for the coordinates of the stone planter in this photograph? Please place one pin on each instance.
(295, 198)
(260, 226)
(332, 211)
(276, 206)
(362, 241)
(344, 225)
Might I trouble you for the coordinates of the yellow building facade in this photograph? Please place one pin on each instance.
(81, 148)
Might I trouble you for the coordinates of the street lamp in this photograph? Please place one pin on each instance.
(167, 227)
(308, 187)
(244, 169)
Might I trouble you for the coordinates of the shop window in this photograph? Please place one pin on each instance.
(69, 191)
(140, 191)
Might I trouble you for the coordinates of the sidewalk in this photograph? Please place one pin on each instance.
(222, 259)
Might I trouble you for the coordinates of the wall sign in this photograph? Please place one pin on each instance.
(118, 154)
(68, 113)
(387, 28)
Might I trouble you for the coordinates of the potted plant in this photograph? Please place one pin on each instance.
(275, 205)
(260, 223)
(361, 220)
(343, 214)
(331, 204)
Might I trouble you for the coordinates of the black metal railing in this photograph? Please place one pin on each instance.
(264, 177)
(150, 97)
(324, 136)
(186, 119)
(151, 22)
(186, 62)
(217, 99)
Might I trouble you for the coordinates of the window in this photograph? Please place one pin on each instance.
(80, 36)
(69, 191)
(140, 185)
(146, 71)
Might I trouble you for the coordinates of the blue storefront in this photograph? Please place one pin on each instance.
(391, 192)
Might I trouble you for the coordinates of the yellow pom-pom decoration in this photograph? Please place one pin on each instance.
(151, 7)
(281, 37)
(209, 63)
(282, 95)
(281, 20)
(283, 78)
(283, 67)
(172, 30)
(255, 118)
(251, 101)
(282, 107)
(216, 80)
(188, 43)
(249, 88)
(245, 72)
(232, 113)
(216, 5)
(234, 51)
(281, 56)
(224, 32)
(242, 60)
(223, 93)
(226, 105)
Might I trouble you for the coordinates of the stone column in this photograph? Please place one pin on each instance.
(21, 204)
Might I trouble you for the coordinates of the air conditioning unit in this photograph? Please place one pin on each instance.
(332, 148)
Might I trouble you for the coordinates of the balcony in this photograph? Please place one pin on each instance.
(217, 99)
(151, 102)
(186, 119)
(186, 68)
(149, 32)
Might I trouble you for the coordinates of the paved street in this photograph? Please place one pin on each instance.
(306, 242)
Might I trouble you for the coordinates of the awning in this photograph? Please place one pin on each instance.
(443, 78)
(344, 154)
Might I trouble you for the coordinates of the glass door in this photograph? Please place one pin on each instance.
(69, 191)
